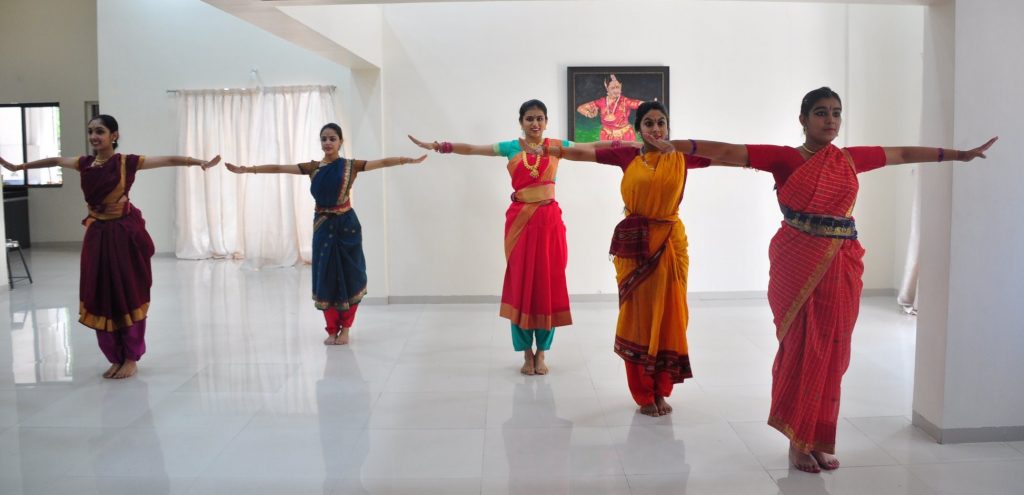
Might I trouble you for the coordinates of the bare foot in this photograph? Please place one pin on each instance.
(538, 364)
(802, 461)
(827, 462)
(342, 337)
(126, 370)
(663, 407)
(528, 368)
(650, 410)
(330, 339)
(111, 370)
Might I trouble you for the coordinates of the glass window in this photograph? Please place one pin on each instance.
(30, 132)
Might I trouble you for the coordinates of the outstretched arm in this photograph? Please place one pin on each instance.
(457, 148)
(727, 154)
(917, 154)
(177, 161)
(265, 169)
(392, 161)
(596, 145)
(56, 161)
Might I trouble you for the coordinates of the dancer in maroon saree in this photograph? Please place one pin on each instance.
(816, 264)
(116, 251)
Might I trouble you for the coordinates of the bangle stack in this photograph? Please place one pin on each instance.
(445, 147)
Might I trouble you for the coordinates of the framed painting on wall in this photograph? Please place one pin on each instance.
(603, 100)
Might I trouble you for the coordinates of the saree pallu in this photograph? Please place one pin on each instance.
(653, 314)
(534, 295)
(116, 275)
(814, 291)
(339, 267)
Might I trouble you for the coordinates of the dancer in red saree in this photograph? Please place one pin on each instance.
(116, 251)
(534, 296)
(816, 261)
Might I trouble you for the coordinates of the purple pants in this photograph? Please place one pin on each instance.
(123, 344)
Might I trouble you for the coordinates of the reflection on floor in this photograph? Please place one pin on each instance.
(237, 394)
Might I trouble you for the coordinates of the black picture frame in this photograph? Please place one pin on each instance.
(589, 85)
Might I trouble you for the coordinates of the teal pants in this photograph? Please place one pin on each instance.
(523, 339)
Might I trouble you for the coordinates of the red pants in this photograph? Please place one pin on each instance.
(645, 387)
(336, 320)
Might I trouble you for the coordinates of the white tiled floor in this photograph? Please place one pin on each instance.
(238, 395)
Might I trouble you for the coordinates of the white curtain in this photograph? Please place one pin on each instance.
(907, 297)
(265, 219)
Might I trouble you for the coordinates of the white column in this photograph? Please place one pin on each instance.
(970, 350)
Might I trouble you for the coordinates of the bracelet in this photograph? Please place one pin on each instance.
(446, 147)
(616, 144)
(942, 154)
(694, 144)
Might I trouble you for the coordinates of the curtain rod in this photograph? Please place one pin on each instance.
(253, 90)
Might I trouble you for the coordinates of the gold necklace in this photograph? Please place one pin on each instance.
(643, 159)
(97, 162)
(534, 172)
(808, 150)
(535, 149)
(612, 107)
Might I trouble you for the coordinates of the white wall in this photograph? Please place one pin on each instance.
(147, 47)
(936, 194)
(986, 280)
(971, 338)
(436, 229)
(48, 50)
(354, 27)
(739, 71)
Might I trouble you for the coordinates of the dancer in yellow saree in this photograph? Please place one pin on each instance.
(651, 261)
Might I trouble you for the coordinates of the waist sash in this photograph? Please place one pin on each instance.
(544, 191)
(820, 225)
(107, 211)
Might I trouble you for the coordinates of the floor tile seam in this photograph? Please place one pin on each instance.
(750, 449)
(214, 458)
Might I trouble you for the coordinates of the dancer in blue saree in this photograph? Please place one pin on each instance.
(339, 268)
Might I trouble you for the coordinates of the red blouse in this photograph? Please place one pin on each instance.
(781, 161)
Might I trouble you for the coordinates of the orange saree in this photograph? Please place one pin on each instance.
(651, 331)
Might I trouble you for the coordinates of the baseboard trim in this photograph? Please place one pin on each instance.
(443, 299)
(969, 435)
(58, 245)
(740, 295)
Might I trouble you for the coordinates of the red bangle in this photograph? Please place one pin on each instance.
(446, 147)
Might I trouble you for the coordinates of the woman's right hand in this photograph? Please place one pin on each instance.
(434, 146)
(234, 168)
(661, 145)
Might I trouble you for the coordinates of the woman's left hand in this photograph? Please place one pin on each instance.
(979, 152)
(416, 160)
